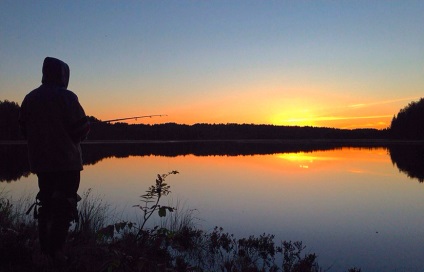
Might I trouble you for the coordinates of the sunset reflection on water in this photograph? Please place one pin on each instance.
(349, 205)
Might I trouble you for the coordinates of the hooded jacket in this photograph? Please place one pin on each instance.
(53, 122)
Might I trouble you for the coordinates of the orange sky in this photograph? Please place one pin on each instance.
(300, 112)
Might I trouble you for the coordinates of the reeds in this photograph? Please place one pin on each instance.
(93, 214)
(17, 234)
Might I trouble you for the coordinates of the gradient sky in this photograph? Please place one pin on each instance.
(342, 64)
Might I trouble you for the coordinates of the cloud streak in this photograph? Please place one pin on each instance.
(363, 105)
(335, 118)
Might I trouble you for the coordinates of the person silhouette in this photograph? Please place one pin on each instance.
(54, 123)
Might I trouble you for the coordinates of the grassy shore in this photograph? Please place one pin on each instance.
(96, 244)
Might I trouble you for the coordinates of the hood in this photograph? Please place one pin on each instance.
(55, 72)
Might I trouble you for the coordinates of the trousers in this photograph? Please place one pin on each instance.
(58, 207)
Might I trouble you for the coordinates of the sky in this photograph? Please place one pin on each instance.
(342, 64)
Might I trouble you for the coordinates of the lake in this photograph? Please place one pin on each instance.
(351, 204)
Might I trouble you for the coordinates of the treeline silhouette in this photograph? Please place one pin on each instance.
(9, 130)
(13, 162)
(173, 131)
(9, 115)
(407, 157)
(409, 122)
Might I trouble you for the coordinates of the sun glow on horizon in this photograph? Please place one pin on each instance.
(344, 115)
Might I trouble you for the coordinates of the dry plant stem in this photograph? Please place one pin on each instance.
(147, 214)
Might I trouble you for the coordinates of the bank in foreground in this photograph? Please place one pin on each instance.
(175, 245)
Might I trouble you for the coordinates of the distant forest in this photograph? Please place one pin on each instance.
(408, 124)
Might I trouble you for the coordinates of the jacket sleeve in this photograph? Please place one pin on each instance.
(80, 129)
(79, 125)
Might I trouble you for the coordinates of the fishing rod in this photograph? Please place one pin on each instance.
(134, 117)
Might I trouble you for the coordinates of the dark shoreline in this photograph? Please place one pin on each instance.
(348, 142)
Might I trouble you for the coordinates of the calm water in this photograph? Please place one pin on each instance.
(352, 206)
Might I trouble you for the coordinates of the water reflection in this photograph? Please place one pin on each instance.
(409, 158)
(349, 205)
